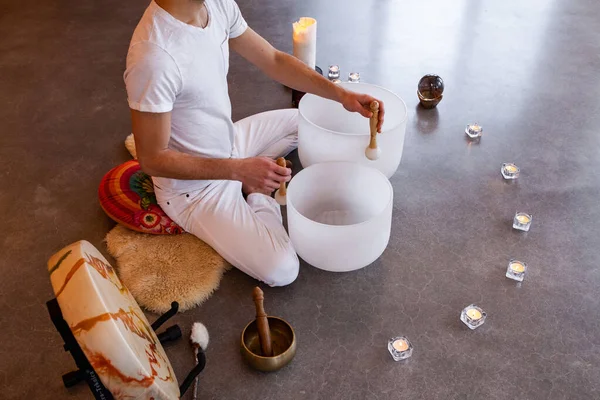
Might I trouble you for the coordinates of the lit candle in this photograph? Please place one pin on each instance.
(354, 77)
(336, 81)
(510, 171)
(522, 221)
(400, 348)
(474, 130)
(334, 72)
(472, 316)
(516, 270)
(305, 40)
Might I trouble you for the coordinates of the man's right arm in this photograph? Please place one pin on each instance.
(152, 132)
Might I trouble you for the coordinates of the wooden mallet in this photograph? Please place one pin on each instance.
(280, 194)
(262, 323)
(373, 151)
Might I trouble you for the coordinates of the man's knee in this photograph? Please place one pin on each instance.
(281, 268)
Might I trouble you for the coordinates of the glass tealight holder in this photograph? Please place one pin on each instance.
(334, 72)
(354, 77)
(510, 171)
(516, 270)
(473, 316)
(522, 221)
(336, 81)
(474, 130)
(400, 348)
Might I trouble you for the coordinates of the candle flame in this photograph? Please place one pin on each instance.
(303, 24)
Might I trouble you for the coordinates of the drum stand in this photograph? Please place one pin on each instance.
(85, 372)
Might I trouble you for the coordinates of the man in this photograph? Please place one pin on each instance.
(202, 163)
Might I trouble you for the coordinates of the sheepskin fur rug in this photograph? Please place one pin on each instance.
(159, 269)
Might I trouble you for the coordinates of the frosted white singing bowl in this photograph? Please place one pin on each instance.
(339, 215)
(327, 132)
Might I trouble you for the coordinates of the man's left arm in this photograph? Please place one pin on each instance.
(293, 73)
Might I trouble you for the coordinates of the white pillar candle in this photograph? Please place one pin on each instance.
(305, 40)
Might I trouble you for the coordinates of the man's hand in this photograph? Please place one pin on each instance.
(361, 103)
(260, 175)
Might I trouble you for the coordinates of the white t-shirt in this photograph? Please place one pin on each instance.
(173, 66)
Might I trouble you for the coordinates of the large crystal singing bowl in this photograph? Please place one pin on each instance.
(339, 215)
(327, 132)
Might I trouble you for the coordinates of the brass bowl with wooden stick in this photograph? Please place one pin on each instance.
(268, 343)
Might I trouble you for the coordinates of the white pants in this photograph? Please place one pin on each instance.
(247, 233)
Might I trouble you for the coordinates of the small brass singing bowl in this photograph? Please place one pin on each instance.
(429, 102)
(283, 341)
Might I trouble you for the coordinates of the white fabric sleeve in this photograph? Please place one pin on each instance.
(237, 23)
(152, 78)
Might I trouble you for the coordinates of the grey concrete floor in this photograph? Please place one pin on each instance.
(525, 70)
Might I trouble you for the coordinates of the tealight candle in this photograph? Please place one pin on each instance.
(334, 72)
(522, 221)
(474, 130)
(516, 270)
(473, 316)
(336, 81)
(400, 348)
(354, 77)
(510, 171)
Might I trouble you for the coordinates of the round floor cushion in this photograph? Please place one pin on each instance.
(159, 269)
(126, 194)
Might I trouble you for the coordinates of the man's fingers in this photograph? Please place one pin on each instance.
(279, 178)
(283, 171)
(381, 115)
(365, 111)
(379, 124)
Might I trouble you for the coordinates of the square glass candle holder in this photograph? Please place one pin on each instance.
(510, 171)
(473, 316)
(334, 72)
(516, 270)
(474, 130)
(522, 221)
(354, 77)
(336, 81)
(400, 348)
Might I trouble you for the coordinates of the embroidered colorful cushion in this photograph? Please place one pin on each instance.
(127, 196)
